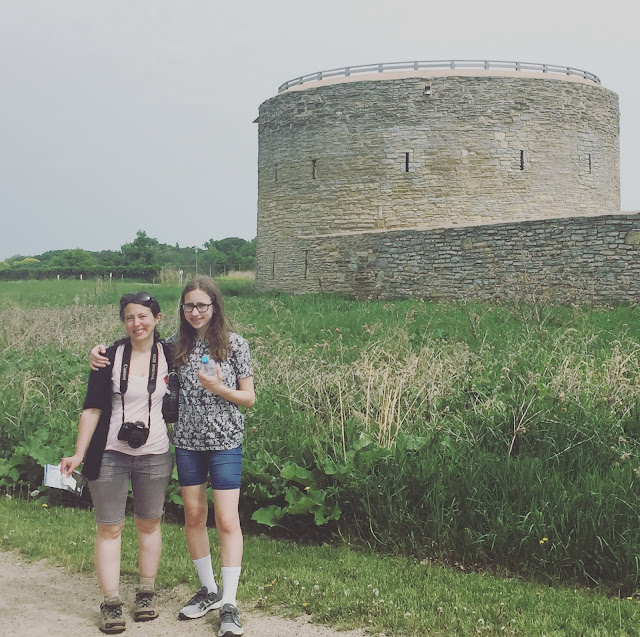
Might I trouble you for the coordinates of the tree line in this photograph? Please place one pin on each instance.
(143, 258)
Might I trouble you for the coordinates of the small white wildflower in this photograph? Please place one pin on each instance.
(347, 592)
(376, 592)
(407, 614)
(316, 587)
(296, 582)
(34, 493)
(7, 495)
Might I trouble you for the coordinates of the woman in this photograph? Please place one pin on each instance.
(208, 439)
(123, 435)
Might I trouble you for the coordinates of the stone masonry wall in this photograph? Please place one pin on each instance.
(571, 259)
(382, 155)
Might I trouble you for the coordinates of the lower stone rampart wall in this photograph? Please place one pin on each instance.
(569, 259)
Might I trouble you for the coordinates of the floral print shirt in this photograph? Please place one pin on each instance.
(208, 422)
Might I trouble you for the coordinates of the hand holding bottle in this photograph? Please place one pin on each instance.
(210, 376)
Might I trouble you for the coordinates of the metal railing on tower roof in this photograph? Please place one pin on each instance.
(420, 65)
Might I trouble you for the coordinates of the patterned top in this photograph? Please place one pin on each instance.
(207, 421)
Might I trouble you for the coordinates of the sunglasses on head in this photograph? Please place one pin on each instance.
(138, 297)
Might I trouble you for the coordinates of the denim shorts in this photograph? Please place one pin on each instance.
(149, 476)
(224, 467)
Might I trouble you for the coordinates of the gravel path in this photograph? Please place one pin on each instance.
(37, 599)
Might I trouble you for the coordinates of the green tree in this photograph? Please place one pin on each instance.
(240, 253)
(16, 257)
(140, 257)
(141, 252)
(212, 259)
(26, 261)
(75, 261)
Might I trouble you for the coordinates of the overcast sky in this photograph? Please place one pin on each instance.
(126, 115)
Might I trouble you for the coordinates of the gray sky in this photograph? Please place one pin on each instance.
(127, 115)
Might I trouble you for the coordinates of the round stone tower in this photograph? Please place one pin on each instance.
(424, 145)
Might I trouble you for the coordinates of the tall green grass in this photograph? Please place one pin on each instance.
(473, 434)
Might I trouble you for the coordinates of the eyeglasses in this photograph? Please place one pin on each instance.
(201, 307)
(138, 297)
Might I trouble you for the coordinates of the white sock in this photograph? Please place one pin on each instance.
(230, 579)
(205, 573)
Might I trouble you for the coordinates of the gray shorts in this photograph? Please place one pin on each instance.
(149, 476)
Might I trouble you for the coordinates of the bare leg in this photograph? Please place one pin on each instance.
(106, 557)
(228, 525)
(231, 543)
(195, 520)
(149, 546)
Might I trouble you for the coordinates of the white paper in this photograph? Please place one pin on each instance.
(53, 477)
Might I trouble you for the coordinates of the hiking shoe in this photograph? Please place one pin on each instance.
(146, 607)
(230, 624)
(111, 619)
(200, 604)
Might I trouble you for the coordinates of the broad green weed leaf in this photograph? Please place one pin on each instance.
(296, 473)
(269, 516)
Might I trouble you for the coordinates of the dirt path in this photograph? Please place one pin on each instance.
(38, 600)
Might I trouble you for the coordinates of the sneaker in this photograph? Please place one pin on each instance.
(200, 604)
(111, 619)
(230, 624)
(146, 607)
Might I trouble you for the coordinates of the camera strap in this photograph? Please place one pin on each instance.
(152, 378)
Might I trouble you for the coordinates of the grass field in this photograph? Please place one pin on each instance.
(489, 437)
(340, 585)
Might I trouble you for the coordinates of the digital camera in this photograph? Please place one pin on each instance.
(135, 433)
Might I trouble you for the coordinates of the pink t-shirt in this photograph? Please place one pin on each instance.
(136, 405)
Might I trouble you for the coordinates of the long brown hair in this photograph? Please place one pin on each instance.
(219, 327)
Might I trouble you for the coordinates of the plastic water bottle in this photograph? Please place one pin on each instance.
(209, 366)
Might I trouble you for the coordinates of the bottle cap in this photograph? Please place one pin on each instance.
(205, 359)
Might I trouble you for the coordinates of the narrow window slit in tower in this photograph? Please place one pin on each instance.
(313, 168)
(306, 263)
(276, 173)
(406, 162)
(273, 266)
(590, 164)
(522, 160)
